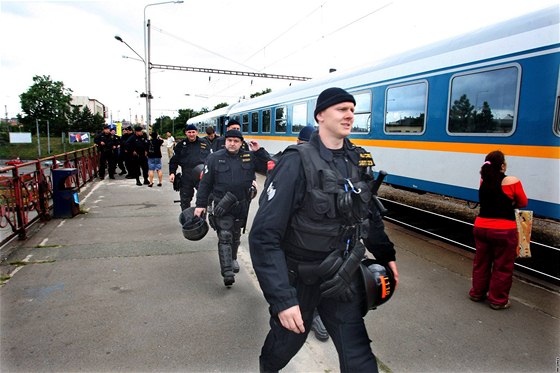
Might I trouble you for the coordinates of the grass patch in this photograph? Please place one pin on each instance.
(4, 279)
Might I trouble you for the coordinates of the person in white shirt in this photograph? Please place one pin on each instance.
(170, 144)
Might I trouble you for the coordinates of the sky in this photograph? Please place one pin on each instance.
(74, 42)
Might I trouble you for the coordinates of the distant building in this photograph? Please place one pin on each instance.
(92, 104)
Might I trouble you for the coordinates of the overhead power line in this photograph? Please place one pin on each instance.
(227, 72)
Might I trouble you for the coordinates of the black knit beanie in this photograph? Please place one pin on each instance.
(234, 133)
(330, 97)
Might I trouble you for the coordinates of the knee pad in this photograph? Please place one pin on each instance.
(225, 222)
(225, 236)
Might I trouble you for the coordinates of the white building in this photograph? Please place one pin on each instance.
(94, 106)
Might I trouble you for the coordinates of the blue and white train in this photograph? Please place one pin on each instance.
(431, 115)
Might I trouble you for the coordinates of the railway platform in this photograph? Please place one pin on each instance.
(118, 288)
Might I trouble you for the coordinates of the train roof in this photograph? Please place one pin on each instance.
(211, 114)
(530, 31)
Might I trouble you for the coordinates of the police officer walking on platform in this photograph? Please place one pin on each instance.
(308, 236)
(228, 176)
(232, 124)
(188, 154)
(106, 143)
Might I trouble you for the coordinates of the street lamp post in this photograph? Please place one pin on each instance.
(147, 61)
(145, 64)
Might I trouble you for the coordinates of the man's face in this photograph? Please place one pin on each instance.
(168, 134)
(191, 135)
(234, 127)
(337, 120)
(138, 133)
(106, 130)
(211, 136)
(233, 144)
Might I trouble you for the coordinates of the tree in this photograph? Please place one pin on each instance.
(461, 115)
(221, 105)
(484, 121)
(264, 92)
(46, 100)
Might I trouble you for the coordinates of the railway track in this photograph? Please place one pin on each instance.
(544, 263)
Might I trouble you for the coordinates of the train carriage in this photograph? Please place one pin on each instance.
(430, 116)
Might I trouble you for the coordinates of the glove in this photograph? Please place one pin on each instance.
(226, 204)
(177, 182)
(339, 286)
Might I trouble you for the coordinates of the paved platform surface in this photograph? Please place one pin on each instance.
(118, 289)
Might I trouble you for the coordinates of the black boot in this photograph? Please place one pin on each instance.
(138, 182)
(224, 254)
(234, 263)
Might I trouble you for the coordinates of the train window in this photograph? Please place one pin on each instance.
(299, 117)
(406, 108)
(254, 122)
(484, 102)
(280, 123)
(362, 113)
(266, 121)
(244, 123)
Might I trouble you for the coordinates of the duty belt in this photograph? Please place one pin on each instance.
(307, 272)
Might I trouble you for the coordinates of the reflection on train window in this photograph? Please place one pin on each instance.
(406, 108)
(483, 102)
(266, 121)
(299, 117)
(254, 122)
(280, 123)
(362, 113)
(244, 123)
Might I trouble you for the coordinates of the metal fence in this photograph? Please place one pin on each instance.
(26, 189)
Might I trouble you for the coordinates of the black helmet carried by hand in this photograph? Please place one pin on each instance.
(379, 283)
(196, 174)
(194, 227)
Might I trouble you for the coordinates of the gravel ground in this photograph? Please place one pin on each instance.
(544, 231)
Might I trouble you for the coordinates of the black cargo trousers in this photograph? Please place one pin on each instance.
(343, 320)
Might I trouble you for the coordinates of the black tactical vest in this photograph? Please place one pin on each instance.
(234, 174)
(333, 205)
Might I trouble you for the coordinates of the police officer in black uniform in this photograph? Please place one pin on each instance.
(228, 176)
(123, 154)
(137, 149)
(117, 151)
(232, 124)
(189, 153)
(106, 143)
(213, 140)
(308, 238)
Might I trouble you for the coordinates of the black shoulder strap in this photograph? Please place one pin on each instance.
(309, 156)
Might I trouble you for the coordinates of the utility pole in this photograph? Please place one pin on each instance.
(38, 139)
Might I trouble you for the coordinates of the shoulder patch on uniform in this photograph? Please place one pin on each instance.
(366, 160)
(245, 157)
(271, 191)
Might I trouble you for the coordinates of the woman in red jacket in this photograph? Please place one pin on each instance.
(495, 232)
